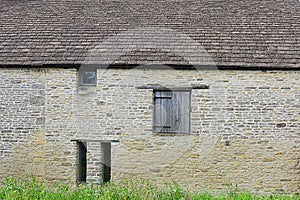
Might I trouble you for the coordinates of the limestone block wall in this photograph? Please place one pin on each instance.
(22, 122)
(60, 124)
(244, 127)
(36, 123)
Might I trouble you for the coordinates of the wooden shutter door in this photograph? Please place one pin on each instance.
(181, 112)
(162, 120)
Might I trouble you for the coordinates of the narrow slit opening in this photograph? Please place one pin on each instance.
(82, 162)
(106, 161)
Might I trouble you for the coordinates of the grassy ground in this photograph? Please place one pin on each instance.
(131, 190)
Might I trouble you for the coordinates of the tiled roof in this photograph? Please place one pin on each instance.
(247, 33)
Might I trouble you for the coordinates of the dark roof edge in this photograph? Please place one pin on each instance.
(130, 66)
(41, 66)
(255, 68)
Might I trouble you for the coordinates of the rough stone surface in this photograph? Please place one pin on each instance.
(244, 127)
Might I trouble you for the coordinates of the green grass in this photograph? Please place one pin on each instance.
(126, 190)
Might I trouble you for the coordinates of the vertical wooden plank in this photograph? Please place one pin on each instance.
(181, 127)
(169, 112)
(175, 113)
(157, 112)
(164, 115)
(185, 112)
(168, 115)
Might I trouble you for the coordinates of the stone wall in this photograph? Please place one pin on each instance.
(36, 123)
(22, 122)
(244, 127)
